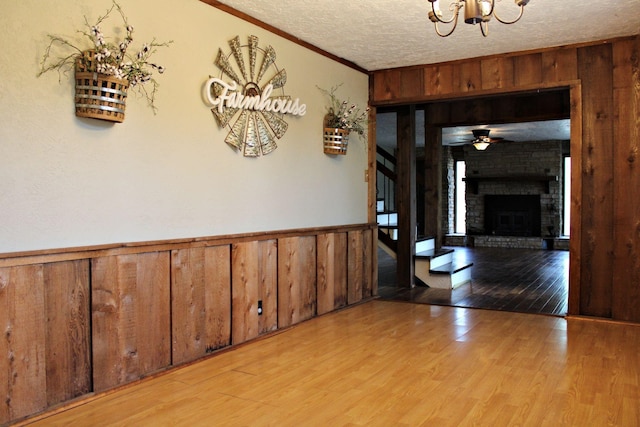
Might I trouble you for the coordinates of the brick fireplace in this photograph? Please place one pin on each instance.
(513, 194)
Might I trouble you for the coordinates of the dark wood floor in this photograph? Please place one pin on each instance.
(517, 280)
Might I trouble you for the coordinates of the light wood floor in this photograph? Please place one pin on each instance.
(385, 363)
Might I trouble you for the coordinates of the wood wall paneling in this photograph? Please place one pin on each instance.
(369, 274)
(244, 291)
(187, 305)
(575, 242)
(355, 267)
(497, 72)
(437, 79)
(411, 82)
(559, 65)
(68, 350)
(45, 344)
(595, 72)
(200, 301)
(268, 290)
(544, 105)
(387, 85)
(527, 69)
(467, 76)
(218, 302)
(332, 271)
(23, 384)
(296, 280)
(130, 317)
(626, 97)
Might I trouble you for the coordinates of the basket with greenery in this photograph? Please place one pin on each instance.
(341, 119)
(106, 69)
(341, 114)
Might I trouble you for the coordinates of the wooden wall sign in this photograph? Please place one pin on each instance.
(248, 97)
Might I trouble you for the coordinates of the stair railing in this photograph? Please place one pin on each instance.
(386, 192)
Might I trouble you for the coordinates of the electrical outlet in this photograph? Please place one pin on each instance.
(260, 308)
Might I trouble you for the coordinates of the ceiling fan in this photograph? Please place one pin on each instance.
(481, 139)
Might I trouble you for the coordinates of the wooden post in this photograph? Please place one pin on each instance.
(406, 194)
(432, 182)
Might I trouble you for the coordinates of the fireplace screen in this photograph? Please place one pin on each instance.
(512, 215)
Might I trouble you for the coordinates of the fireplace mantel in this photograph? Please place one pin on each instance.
(473, 181)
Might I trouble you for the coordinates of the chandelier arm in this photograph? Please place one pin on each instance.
(493, 4)
(484, 27)
(449, 33)
(457, 6)
(510, 22)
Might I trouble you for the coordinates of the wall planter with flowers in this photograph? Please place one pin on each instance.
(341, 119)
(105, 71)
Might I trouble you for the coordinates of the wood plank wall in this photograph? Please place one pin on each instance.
(80, 321)
(604, 81)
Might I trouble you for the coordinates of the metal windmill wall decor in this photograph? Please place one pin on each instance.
(244, 99)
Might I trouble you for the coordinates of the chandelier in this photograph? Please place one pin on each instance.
(475, 12)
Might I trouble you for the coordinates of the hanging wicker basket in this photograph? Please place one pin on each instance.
(98, 96)
(336, 141)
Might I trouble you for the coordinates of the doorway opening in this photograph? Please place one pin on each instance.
(500, 268)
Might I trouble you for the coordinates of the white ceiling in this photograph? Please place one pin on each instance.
(378, 34)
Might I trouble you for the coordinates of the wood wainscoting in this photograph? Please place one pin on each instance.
(85, 320)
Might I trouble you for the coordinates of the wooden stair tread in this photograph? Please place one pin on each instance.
(432, 253)
(450, 268)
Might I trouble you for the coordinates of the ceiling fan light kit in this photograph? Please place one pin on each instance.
(481, 140)
(481, 145)
(475, 12)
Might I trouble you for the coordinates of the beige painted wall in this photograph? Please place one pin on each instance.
(66, 181)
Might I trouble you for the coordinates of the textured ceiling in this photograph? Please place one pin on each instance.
(379, 34)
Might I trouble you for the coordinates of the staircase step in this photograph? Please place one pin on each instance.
(425, 244)
(433, 253)
(440, 269)
(450, 268)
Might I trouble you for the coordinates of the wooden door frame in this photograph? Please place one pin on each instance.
(575, 99)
